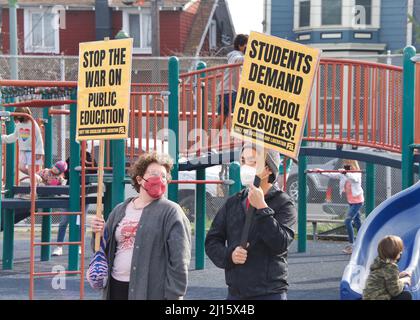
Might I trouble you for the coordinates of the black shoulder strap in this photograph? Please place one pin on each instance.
(248, 218)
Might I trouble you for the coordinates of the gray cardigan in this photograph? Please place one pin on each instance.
(162, 251)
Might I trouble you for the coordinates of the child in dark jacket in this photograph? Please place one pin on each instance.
(385, 282)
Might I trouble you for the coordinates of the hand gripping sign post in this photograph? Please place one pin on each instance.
(273, 95)
(103, 98)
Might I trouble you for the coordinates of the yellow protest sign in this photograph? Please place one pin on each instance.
(274, 91)
(103, 89)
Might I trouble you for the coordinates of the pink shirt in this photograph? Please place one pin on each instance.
(350, 198)
(125, 235)
(49, 178)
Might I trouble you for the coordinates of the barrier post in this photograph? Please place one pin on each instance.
(108, 195)
(46, 220)
(107, 199)
(74, 206)
(9, 214)
(118, 172)
(235, 175)
(370, 188)
(200, 194)
(302, 198)
(173, 122)
(407, 157)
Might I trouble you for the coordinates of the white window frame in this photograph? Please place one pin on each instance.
(126, 26)
(28, 28)
(346, 17)
(375, 15)
(213, 35)
(298, 13)
(343, 16)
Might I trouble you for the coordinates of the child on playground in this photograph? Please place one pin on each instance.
(23, 133)
(351, 185)
(53, 176)
(385, 282)
(228, 90)
(64, 220)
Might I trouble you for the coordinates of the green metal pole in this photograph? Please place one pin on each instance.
(302, 199)
(108, 196)
(74, 231)
(200, 201)
(9, 215)
(370, 188)
(118, 173)
(173, 123)
(46, 220)
(107, 199)
(407, 157)
(13, 40)
(235, 175)
(1, 176)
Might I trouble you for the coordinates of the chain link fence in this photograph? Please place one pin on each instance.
(323, 200)
(65, 68)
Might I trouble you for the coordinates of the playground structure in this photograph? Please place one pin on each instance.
(354, 103)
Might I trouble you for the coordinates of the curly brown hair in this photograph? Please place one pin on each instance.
(139, 168)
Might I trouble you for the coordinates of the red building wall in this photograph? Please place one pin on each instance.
(80, 27)
(175, 27)
(170, 37)
(5, 30)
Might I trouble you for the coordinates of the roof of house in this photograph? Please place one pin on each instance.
(200, 27)
(91, 3)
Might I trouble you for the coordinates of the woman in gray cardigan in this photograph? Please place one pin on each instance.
(148, 247)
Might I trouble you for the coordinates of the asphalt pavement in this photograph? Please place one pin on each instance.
(313, 275)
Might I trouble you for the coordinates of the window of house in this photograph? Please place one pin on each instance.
(213, 35)
(139, 26)
(304, 13)
(364, 12)
(331, 12)
(41, 31)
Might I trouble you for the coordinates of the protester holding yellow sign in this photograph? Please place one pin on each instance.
(252, 232)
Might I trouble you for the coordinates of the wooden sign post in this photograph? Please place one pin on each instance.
(99, 205)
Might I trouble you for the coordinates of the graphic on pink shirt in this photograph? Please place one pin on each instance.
(128, 234)
(24, 134)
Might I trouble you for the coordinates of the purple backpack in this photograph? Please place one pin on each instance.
(97, 273)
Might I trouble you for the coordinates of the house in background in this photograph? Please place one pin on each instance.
(187, 27)
(344, 27)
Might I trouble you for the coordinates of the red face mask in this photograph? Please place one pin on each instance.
(155, 187)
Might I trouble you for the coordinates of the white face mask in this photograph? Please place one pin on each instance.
(247, 175)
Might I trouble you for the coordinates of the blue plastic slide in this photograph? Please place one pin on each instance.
(398, 215)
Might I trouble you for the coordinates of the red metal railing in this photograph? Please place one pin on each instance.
(354, 102)
(201, 95)
(357, 103)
